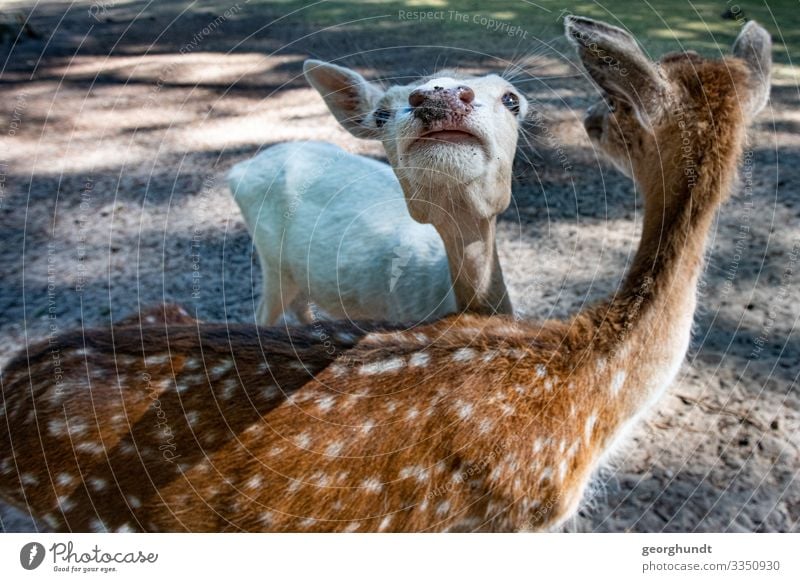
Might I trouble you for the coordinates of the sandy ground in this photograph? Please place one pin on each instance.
(115, 151)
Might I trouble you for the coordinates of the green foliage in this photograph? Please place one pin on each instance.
(660, 25)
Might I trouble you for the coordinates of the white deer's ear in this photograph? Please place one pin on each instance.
(349, 96)
(754, 46)
(617, 64)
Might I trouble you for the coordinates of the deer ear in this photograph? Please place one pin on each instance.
(754, 47)
(617, 64)
(347, 94)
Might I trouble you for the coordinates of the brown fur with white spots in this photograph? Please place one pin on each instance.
(470, 423)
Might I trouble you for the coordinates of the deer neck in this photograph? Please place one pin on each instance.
(474, 267)
(647, 326)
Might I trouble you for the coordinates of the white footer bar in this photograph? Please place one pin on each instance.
(390, 557)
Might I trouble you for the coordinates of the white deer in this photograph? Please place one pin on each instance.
(353, 235)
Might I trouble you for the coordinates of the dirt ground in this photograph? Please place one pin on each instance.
(120, 122)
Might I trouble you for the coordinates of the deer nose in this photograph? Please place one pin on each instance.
(463, 93)
(593, 121)
(594, 126)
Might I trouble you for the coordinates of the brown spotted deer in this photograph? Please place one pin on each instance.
(474, 422)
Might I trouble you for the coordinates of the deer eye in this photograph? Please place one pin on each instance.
(511, 101)
(382, 116)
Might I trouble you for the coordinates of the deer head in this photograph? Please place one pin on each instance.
(654, 115)
(450, 138)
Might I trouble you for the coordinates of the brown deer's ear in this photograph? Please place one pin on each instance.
(349, 96)
(754, 47)
(617, 64)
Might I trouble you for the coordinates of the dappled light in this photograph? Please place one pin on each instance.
(121, 123)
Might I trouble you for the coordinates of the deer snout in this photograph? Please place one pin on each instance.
(593, 120)
(438, 103)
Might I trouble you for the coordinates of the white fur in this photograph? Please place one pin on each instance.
(333, 228)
